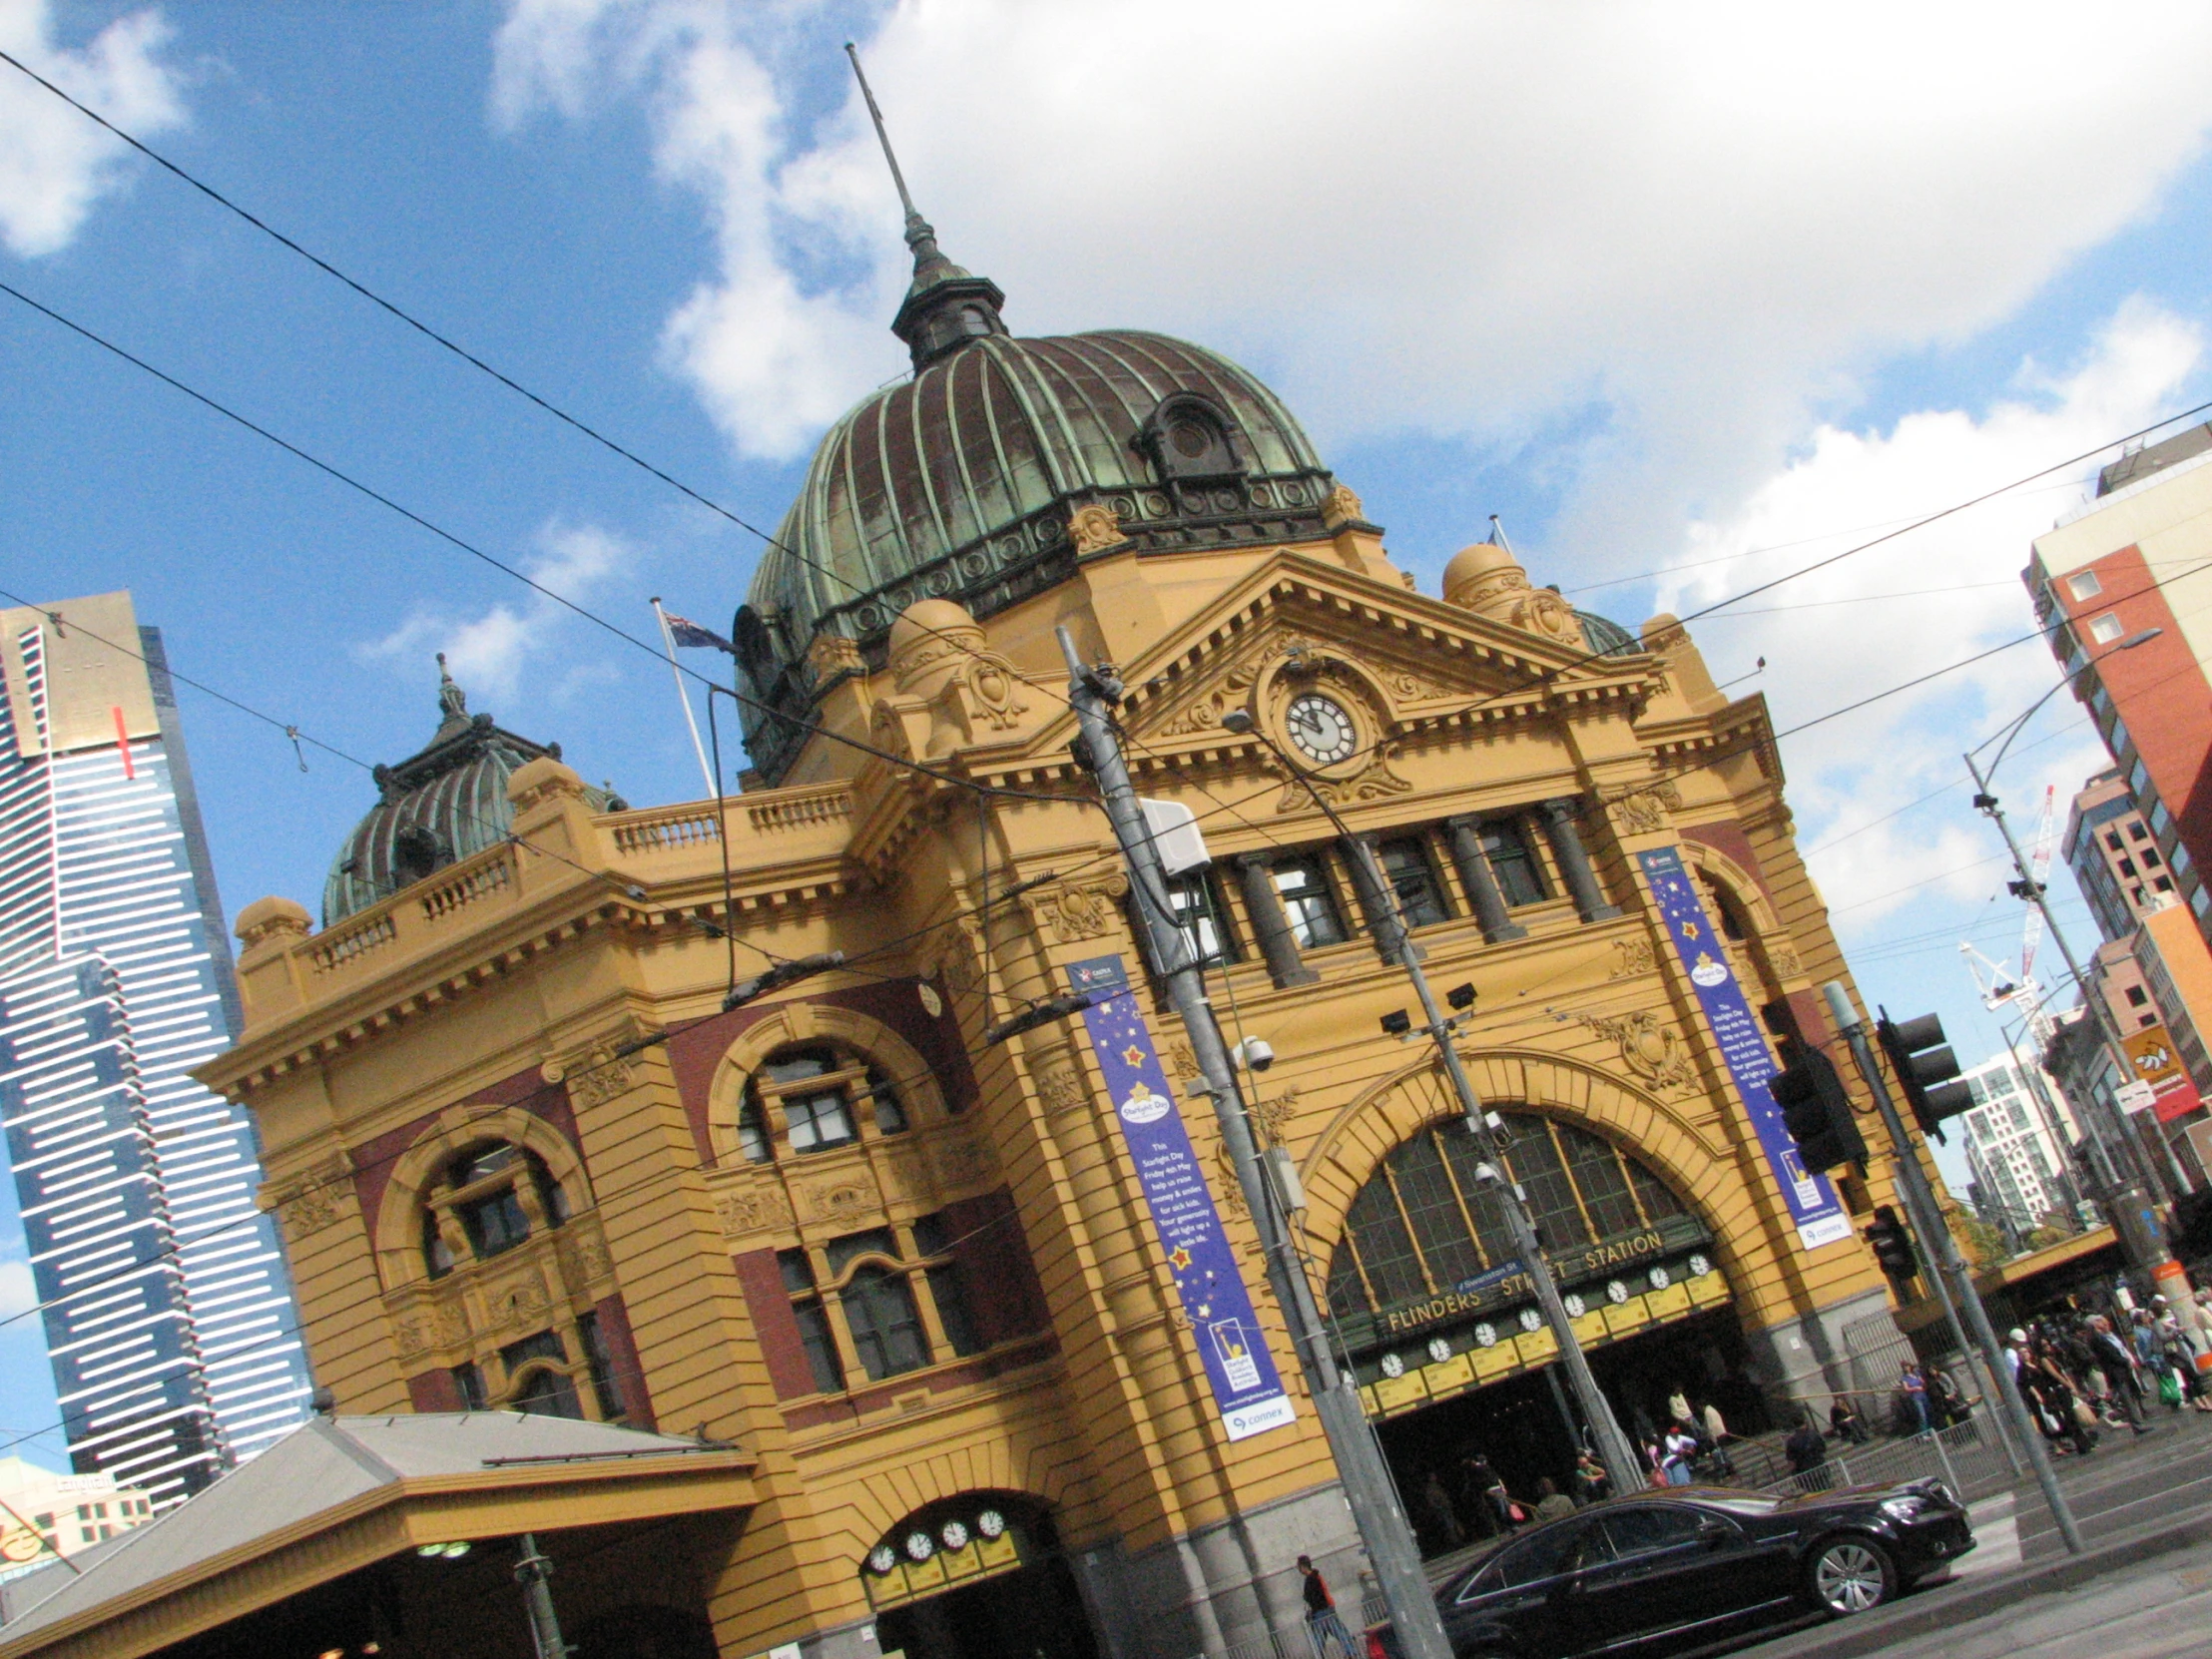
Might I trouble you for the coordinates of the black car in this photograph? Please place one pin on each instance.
(1674, 1570)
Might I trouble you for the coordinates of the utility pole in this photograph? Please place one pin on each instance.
(531, 1572)
(1396, 945)
(1365, 1479)
(1942, 1252)
(2128, 1174)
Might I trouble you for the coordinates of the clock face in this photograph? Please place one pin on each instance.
(1320, 729)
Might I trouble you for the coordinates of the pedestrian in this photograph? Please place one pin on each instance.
(1322, 1622)
(1678, 1405)
(1551, 1502)
(1444, 1524)
(1805, 1448)
(1844, 1423)
(1591, 1482)
(1476, 1477)
(1945, 1402)
(1914, 1387)
(2119, 1365)
(1679, 1452)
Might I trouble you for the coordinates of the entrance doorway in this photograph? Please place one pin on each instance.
(978, 1576)
(1032, 1612)
(1522, 1425)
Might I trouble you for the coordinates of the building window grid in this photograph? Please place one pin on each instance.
(826, 1096)
(487, 1201)
(868, 1299)
(1380, 1260)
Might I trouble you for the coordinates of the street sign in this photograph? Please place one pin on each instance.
(2134, 1097)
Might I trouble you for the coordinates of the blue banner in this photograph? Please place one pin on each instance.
(1247, 1389)
(1813, 1205)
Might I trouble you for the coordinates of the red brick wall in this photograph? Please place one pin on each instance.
(773, 1321)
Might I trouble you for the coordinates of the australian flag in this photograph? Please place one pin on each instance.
(688, 632)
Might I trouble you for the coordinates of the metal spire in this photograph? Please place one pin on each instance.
(913, 216)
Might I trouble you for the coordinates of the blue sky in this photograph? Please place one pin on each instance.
(1659, 284)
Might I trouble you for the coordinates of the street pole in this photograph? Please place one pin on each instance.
(2145, 1253)
(1613, 1448)
(531, 1572)
(1365, 1479)
(1942, 1250)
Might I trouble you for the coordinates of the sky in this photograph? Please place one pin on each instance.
(1690, 295)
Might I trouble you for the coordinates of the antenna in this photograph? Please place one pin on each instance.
(882, 137)
(1498, 534)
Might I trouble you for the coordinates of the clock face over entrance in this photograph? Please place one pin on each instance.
(1320, 729)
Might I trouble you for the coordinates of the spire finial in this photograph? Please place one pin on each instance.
(945, 306)
(451, 702)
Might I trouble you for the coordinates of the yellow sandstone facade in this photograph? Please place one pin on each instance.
(524, 1156)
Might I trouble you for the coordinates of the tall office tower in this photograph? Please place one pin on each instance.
(168, 1308)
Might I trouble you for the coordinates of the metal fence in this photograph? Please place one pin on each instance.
(1968, 1456)
(1297, 1641)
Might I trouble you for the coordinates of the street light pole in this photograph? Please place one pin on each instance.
(1946, 1262)
(1613, 1448)
(1368, 1488)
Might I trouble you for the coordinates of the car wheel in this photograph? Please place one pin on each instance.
(1851, 1574)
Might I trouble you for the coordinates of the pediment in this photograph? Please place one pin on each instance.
(1412, 660)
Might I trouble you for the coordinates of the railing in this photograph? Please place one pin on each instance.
(667, 830)
(468, 884)
(1297, 1641)
(1968, 1456)
(795, 810)
(342, 945)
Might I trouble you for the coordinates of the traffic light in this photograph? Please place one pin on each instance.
(1925, 1067)
(1816, 1110)
(1891, 1245)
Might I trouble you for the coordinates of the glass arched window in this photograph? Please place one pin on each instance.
(486, 1201)
(1419, 1227)
(823, 1095)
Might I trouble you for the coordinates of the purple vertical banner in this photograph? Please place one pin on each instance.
(1247, 1391)
(1819, 1216)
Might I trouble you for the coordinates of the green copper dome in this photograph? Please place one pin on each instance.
(958, 484)
(445, 802)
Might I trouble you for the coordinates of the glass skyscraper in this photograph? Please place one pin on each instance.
(168, 1309)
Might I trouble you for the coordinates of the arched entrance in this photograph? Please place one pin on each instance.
(978, 1576)
(1452, 1357)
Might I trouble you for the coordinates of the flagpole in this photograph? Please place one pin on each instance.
(668, 643)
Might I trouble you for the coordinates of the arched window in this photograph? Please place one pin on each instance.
(825, 1096)
(485, 1201)
(1421, 1227)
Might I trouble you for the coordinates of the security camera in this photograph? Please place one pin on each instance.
(1487, 1175)
(1255, 1054)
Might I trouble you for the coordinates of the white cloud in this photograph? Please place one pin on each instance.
(1467, 220)
(18, 1290)
(489, 652)
(1827, 642)
(54, 163)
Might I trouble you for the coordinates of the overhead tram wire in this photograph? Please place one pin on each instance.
(498, 564)
(474, 360)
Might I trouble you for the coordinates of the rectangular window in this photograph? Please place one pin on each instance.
(949, 1293)
(2139, 777)
(1597, 1169)
(1552, 1204)
(1302, 883)
(887, 1330)
(2149, 855)
(1512, 859)
(1424, 1193)
(2136, 829)
(821, 1347)
(546, 1345)
(494, 1222)
(2112, 840)
(2137, 997)
(1406, 866)
(1198, 916)
(1385, 1249)
(468, 1381)
(818, 1121)
(2106, 628)
(604, 1385)
(2083, 584)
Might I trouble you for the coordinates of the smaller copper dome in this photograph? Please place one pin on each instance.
(445, 802)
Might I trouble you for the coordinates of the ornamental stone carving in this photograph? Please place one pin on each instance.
(1635, 958)
(751, 1212)
(1093, 528)
(1644, 812)
(1783, 958)
(1341, 508)
(1062, 1089)
(308, 1205)
(521, 1300)
(1654, 1053)
(843, 1199)
(1085, 911)
(833, 654)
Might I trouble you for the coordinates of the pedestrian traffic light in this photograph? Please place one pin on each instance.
(1891, 1245)
(1815, 1109)
(1926, 1067)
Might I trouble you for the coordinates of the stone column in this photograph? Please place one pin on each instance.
(1375, 900)
(1481, 883)
(1277, 942)
(1574, 861)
